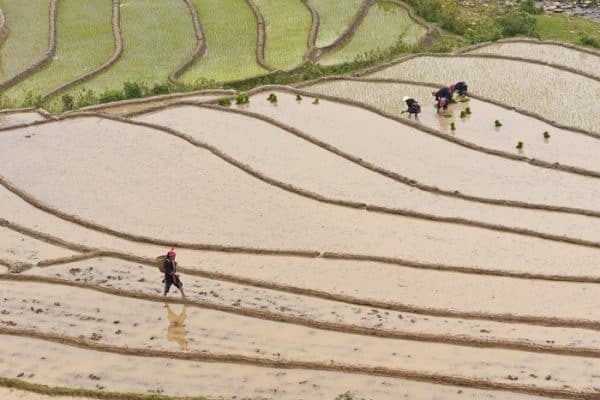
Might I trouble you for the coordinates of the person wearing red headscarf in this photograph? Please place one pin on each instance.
(171, 275)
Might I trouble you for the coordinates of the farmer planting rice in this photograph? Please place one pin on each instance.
(443, 97)
(171, 275)
(413, 106)
(459, 87)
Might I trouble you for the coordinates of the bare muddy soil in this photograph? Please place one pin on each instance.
(40, 361)
(17, 247)
(13, 119)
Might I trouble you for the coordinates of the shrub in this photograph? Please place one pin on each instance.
(588, 40)
(529, 7)
(110, 95)
(224, 102)
(519, 145)
(31, 100)
(497, 124)
(85, 98)
(159, 88)
(514, 23)
(133, 90)
(242, 98)
(6, 102)
(68, 102)
(272, 98)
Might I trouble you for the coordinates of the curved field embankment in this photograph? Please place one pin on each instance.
(333, 19)
(335, 224)
(43, 60)
(18, 118)
(231, 51)
(118, 50)
(81, 26)
(577, 58)
(117, 370)
(261, 36)
(352, 185)
(287, 26)
(329, 130)
(200, 46)
(564, 150)
(526, 84)
(145, 40)
(3, 27)
(315, 24)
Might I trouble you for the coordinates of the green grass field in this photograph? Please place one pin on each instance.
(334, 19)
(84, 41)
(157, 36)
(28, 36)
(287, 29)
(371, 37)
(230, 30)
(566, 28)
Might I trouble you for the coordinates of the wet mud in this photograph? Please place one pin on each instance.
(13, 119)
(17, 247)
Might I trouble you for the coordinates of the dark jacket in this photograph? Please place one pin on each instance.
(444, 92)
(170, 266)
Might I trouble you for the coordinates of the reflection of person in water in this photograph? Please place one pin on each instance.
(176, 331)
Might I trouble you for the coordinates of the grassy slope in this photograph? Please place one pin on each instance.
(334, 19)
(157, 36)
(287, 27)
(371, 36)
(230, 29)
(565, 28)
(28, 34)
(84, 42)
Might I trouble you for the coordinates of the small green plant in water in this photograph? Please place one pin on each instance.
(546, 135)
(242, 98)
(463, 114)
(519, 145)
(272, 98)
(468, 110)
(464, 100)
(497, 124)
(452, 101)
(298, 97)
(224, 102)
(452, 126)
(316, 101)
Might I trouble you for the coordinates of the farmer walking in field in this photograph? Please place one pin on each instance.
(171, 275)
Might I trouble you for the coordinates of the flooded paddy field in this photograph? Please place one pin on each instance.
(325, 246)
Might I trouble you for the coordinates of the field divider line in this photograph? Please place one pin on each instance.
(282, 363)
(45, 58)
(456, 340)
(533, 41)
(452, 139)
(314, 28)
(261, 36)
(307, 253)
(418, 126)
(346, 36)
(118, 39)
(200, 47)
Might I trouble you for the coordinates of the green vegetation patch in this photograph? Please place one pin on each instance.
(570, 29)
(157, 36)
(230, 30)
(334, 19)
(28, 34)
(287, 28)
(84, 42)
(371, 38)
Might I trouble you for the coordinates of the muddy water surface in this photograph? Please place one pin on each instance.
(17, 247)
(546, 52)
(558, 95)
(564, 147)
(240, 209)
(300, 163)
(138, 279)
(12, 119)
(51, 364)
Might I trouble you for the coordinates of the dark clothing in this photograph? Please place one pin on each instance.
(170, 277)
(413, 107)
(461, 88)
(444, 92)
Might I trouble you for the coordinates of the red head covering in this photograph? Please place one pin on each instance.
(171, 253)
(452, 87)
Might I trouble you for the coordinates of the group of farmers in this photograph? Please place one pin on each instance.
(443, 96)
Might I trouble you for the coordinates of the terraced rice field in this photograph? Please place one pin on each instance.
(287, 27)
(84, 42)
(382, 13)
(532, 87)
(550, 53)
(28, 38)
(327, 243)
(334, 19)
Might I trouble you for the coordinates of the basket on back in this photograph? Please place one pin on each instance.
(160, 263)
